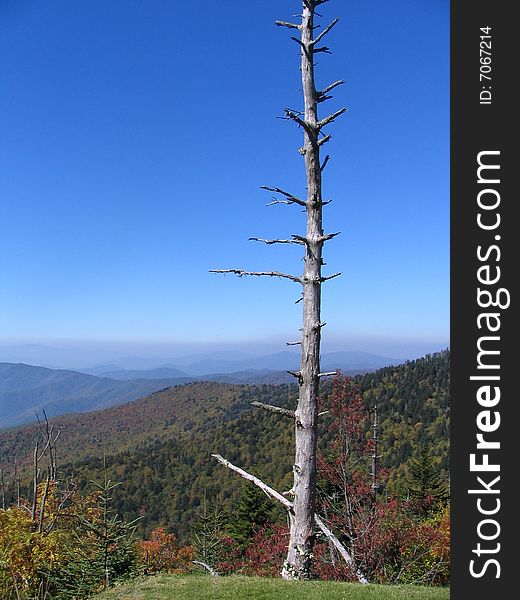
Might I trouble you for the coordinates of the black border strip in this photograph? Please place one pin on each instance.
(476, 128)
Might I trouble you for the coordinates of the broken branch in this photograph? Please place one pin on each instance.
(268, 242)
(274, 409)
(324, 32)
(241, 273)
(330, 87)
(296, 374)
(276, 201)
(299, 42)
(340, 548)
(324, 140)
(271, 493)
(330, 277)
(329, 236)
(209, 569)
(286, 24)
(290, 198)
(258, 482)
(310, 129)
(331, 117)
(325, 162)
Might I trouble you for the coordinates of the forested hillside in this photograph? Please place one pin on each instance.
(26, 390)
(414, 405)
(162, 415)
(160, 446)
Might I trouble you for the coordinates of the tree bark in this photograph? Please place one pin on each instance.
(299, 555)
(302, 514)
(2, 488)
(35, 483)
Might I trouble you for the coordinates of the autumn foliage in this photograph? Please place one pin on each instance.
(24, 552)
(70, 545)
(161, 553)
(392, 540)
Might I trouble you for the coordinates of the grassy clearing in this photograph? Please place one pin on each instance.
(203, 587)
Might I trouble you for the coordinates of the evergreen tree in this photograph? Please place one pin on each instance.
(208, 532)
(250, 513)
(108, 556)
(425, 484)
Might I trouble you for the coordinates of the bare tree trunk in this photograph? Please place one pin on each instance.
(302, 513)
(50, 446)
(298, 562)
(375, 457)
(44, 501)
(16, 484)
(2, 488)
(35, 483)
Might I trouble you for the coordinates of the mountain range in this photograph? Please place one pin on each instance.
(209, 365)
(26, 390)
(160, 446)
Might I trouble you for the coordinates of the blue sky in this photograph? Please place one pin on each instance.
(134, 137)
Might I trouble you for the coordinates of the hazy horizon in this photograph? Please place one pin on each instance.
(90, 353)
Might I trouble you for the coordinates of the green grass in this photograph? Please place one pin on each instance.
(204, 587)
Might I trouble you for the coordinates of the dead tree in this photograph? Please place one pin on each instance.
(50, 439)
(375, 456)
(46, 431)
(2, 488)
(301, 510)
(271, 493)
(16, 484)
(36, 473)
